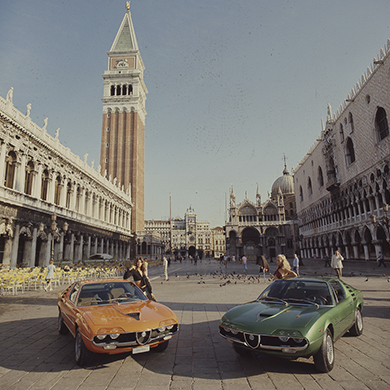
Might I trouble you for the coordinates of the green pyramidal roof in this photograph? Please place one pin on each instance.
(125, 38)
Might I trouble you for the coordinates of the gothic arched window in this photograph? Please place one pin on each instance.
(320, 177)
(350, 151)
(309, 186)
(381, 124)
(341, 133)
(350, 122)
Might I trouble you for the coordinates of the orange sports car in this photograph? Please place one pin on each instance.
(113, 316)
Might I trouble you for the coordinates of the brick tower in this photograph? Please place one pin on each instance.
(122, 153)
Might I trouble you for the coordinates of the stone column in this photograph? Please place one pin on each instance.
(20, 175)
(15, 246)
(33, 252)
(89, 247)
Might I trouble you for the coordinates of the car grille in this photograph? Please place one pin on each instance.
(259, 342)
(135, 338)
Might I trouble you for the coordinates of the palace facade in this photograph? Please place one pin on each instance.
(343, 182)
(53, 205)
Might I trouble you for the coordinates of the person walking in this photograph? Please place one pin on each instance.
(165, 266)
(337, 263)
(327, 261)
(263, 265)
(244, 261)
(50, 275)
(296, 264)
(380, 260)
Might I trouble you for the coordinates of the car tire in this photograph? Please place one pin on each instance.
(324, 358)
(62, 329)
(161, 347)
(241, 350)
(81, 354)
(357, 327)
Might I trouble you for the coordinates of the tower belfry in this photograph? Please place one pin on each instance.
(122, 152)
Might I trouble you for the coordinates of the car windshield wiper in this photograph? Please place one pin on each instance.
(274, 299)
(125, 299)
(302, 301)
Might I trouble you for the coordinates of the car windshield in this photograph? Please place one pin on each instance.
(109, 293)
(298, 291)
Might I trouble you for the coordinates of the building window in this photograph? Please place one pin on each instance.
(10, 170)
(350, 122)
(301, 193)
(350, 152)
(381, 124)
(68, 195)
(112, 90)
(45, 184)
(57, 191)
(309, 187)
(341, 133)
(28, 183)
(320, 177)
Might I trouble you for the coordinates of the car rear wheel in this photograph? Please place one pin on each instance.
(324, 358)
(62, 329)
(161, 347)
(81, 353)
(357, 328)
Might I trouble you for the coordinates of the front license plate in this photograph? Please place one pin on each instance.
(144, 348)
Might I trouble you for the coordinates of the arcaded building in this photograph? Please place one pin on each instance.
(263, 228)
(53, 204)
(342, 184)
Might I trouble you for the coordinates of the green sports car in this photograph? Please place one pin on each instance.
(294, 318)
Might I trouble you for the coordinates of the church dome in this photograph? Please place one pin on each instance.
(285, 183)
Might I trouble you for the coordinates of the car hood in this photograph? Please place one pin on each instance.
(128, 316)
(256, 317)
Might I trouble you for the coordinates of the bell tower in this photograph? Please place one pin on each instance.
(122, 152)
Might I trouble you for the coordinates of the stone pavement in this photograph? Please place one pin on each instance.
(34, 356)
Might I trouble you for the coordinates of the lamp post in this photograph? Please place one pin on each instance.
(55, 232)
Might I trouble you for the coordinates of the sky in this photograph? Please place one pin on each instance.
(233, 85)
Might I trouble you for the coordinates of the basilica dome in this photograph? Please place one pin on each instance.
(285, 183)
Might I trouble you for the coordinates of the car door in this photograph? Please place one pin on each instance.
(68, 308)
(344, 309)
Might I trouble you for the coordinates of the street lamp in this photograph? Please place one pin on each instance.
(53, 231)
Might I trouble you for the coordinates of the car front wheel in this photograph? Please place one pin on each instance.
(161, 347)
(324, 358)
(357, 327)
(62, 329)
(81, 353)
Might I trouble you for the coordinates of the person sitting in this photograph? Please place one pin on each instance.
(284, 269)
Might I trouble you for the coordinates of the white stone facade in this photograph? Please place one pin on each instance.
(183, 237)
(39, 178)
(342, 184)
(218, 241)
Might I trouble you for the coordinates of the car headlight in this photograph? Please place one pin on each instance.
(114, 335)
(161, 329)
(287, 333)
(283, 339)
(101, 336)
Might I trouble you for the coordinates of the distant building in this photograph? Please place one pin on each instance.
(263, 228)
(183, 237)
(342, 185)
(218, 241)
